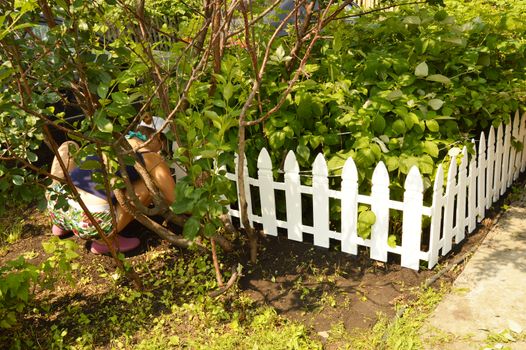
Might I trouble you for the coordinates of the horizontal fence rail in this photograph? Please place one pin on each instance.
(459, 201)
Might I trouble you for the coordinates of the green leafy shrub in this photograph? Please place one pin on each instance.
(401, 87)
(19, 278)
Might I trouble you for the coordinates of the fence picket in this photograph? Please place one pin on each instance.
(349, 207)
(506, 152)
(490, 174)
(451, 191)
(380, 200)
(293, 197)
(472, 194)
(436, 218)
(266, 193)
(460, 227)
(481, 178)
(523, 140)
(320, 201)
(497, 180)
(514, 162)
(412, 219)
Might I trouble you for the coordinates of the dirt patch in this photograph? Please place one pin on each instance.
(318, 287)
(322, 288)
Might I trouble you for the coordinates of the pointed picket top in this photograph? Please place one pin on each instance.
(464, 160)
(319, 167)
(439, 180)
(482, 144)
(414, 182)
(522, 135)
(452, 172)
(436, 217)
(507, 131)
(291, 165)
(264, 161)
(491, 138)
(514, 166)
(515, 123)
(349, 171)
(380, 175)
(236, 161)
(500, 133)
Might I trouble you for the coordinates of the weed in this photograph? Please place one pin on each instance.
(11, 229)
(507, 336)
(327, 300)
(403, 333)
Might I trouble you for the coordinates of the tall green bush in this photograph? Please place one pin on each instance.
(402, 87)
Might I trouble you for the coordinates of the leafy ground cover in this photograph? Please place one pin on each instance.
(296, 297)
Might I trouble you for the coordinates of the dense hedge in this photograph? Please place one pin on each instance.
(400, 86)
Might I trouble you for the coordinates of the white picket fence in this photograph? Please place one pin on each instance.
(470, 189)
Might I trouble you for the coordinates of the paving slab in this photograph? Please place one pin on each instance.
(489, 296)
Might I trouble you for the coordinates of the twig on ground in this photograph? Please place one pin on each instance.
(216, 264)
(236, 273)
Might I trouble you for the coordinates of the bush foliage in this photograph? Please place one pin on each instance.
(401, 86)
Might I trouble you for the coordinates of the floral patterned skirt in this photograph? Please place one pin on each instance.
(69, 216)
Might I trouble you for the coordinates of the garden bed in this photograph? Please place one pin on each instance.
(319, 288)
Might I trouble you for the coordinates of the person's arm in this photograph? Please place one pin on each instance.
(160, 172)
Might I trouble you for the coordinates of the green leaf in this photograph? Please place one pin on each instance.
(120, 98)
(90, 164)
(378, 124)
(431, 148)
(228, 91)
(364, 158)
(394, 95)
(366, 219)
(426, 164)
(391, 241)
(399, 126)
(422, 70)
(432, 125)
(391, 163)
(277, 139)
(182, 205)
(210, 229)
(191, 228)
(407, 163)
(303, 152)
(18, 180)
(381, 144)
(32, 157)
(412, 20)
(102, 90)
(104, 125)
(435, 103)
(49, 247)
(439, 78)
(280, 53)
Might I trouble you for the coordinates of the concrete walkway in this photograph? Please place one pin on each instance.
(489, 296)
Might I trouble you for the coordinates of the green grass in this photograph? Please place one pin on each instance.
(402, 334)
(174, 312)
(11, 228)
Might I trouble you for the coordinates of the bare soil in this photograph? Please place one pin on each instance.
(317, 287)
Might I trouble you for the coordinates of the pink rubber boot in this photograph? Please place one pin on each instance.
(121, 244)
(59, 232)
